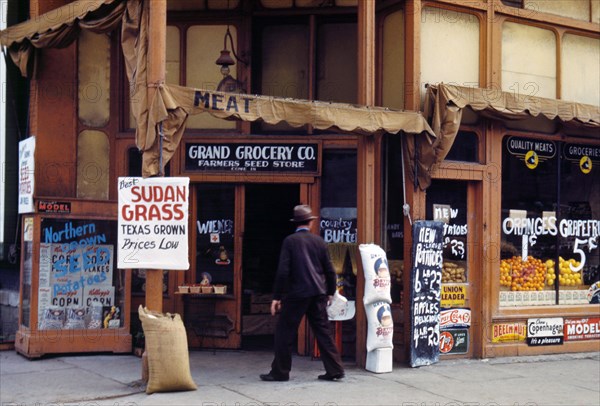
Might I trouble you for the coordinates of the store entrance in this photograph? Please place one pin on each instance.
(268, 209)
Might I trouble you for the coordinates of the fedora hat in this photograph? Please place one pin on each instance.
(302, 213)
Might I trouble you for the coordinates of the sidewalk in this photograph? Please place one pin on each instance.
(231, 378)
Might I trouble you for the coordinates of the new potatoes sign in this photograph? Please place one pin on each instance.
(153, 223)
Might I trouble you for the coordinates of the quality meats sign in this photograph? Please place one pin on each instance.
(153, 223)
(453, 318)
(546, 331)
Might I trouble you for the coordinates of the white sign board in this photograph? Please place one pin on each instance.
(153, 223)
(545, 331)
(26, 172)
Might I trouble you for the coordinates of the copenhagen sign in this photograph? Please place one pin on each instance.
(252, 157)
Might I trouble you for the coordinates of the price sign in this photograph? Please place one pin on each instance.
(425, 295)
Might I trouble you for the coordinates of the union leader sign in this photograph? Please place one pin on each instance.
(153, 223)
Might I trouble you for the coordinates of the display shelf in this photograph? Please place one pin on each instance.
(70, 286)
(207, 295)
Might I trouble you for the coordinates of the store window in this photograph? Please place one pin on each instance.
(580, 69)
(528, 60)
(93, 78)
(577, 9)
(286, 69)
(392, 75)
(443, 33)
(447, 202)
(465, 147)
(204, 44)
(393, 213)
(93, 165)
(550, 223)
(338, 220)
(215, 234)
(79, 285)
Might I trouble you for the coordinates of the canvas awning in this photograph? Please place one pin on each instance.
(59, 28)
(173, 104)
(444, 104)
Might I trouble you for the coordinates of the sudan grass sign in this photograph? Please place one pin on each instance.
(153, 223)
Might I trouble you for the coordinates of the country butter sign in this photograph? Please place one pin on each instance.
(508, 332)
(454, 295)
(252, 157)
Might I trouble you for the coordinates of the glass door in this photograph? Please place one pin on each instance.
(453, 203)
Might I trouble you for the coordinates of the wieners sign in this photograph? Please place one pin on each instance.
(153, 223)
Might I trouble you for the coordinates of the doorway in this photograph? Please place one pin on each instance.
(457, 203)
(268, 209)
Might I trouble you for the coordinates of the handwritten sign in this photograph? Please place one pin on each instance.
(252, 157)
(153, 223)
(426, 278)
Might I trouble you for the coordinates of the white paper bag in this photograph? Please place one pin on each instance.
(340, 308)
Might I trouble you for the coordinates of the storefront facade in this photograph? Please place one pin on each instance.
(515, 181)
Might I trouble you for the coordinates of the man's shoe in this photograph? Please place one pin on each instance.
(335, 377)
(271, 378)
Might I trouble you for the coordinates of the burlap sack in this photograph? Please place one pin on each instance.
(168, 357)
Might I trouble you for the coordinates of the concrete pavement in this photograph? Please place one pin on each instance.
(231, 378)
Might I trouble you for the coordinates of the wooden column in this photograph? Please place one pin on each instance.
(412, 44)
(53, 114)
(156, 75)
(366, 164)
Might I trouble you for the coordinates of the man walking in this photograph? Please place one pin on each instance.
(304, 285)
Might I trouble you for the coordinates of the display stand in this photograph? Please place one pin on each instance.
(73, 298)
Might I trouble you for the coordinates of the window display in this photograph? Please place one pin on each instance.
(215, 239)
(338, 216)
(550, 223)
(79, 287)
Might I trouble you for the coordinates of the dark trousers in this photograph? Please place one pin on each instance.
(291, 314)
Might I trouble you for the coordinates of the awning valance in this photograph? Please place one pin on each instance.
(173, 104)
(444, 104)
(59, 28)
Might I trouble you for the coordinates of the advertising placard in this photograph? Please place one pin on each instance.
(153, 223)
(26, 175)
(452, 318)
(454, 295)
(454, 341)
(75, 264)
(509, 332)
(252, 157)
(426, 279)
(582, 329)
(545, 331)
